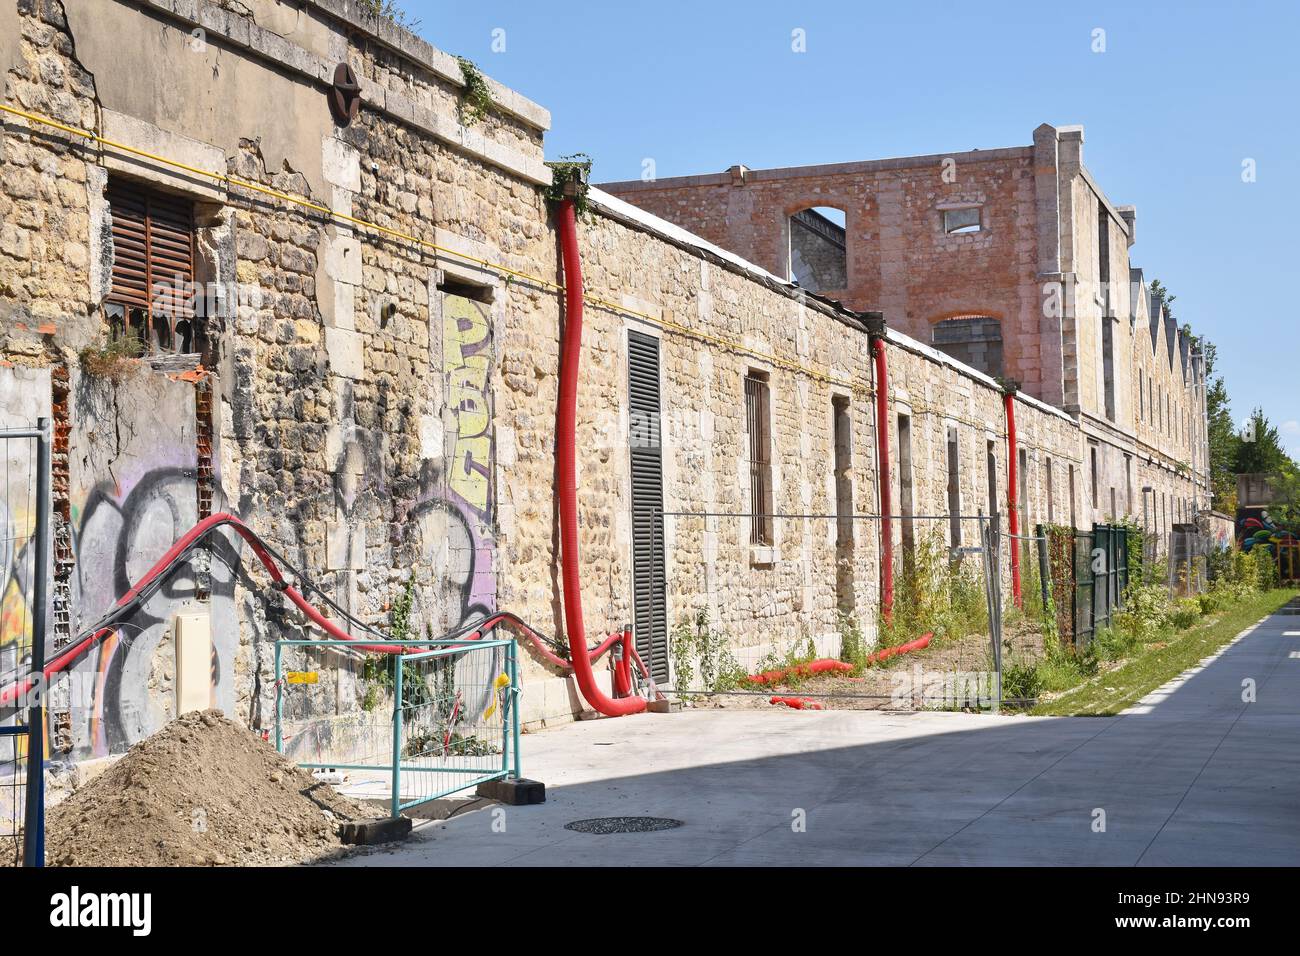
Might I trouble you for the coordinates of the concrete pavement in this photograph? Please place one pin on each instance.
(1191, 775)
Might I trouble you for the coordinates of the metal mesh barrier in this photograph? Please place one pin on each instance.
(744, 598)
(24, 559)
(408, 728)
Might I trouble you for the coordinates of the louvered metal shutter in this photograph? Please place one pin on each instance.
(153, 266)
(650, 619)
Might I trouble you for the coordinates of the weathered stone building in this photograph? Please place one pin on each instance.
(348, 292)
(1012, 260)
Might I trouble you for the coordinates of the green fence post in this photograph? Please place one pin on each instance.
(397, 734)
(514, 704)
(1044, 567)
(279, 703)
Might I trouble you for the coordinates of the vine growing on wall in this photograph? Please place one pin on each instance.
(574, 168)
(476, 102)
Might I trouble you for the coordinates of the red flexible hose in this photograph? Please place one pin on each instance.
(819, 666)
(920, 644)
(59, 663)
(566, 471)
(623, 666)
(1013, 515)
(566, 427)
(883, 479)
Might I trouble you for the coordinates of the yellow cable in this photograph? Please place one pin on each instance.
(229, 180)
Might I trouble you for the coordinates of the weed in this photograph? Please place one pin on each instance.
(116, 359)
(698, 650)
(933, 594)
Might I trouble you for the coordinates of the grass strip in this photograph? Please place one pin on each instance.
(1110, 692)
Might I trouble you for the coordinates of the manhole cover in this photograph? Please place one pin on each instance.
(623, 825)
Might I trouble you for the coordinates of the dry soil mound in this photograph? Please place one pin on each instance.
(201, 791)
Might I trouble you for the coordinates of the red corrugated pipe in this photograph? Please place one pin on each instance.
(177, 553)
(623, 664)
(883, 479)
(566, 473)
(1013, 472)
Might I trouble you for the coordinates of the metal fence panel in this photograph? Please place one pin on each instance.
(24, 607)
(446, 720)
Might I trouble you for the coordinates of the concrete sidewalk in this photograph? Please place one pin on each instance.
(1192, 775)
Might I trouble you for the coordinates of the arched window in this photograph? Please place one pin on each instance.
(975, 340)
(818, 256)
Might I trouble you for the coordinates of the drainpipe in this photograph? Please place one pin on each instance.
(565, 467)
(875, 322)
(1013, 485)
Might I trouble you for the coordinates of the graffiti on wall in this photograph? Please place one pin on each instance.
(131, 493)
(467, 366)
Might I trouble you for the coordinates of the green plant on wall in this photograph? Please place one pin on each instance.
(389, 10)
(377, 674)
(115, 359)
(574, 168)
(476, 101)
(853, 643)
(702, 657)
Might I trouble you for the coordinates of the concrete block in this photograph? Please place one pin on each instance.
(663, 707)
(345, 353)
(144, 136)
(370, 832)
(343, 259)
(345, 548)
(193, 661)
(340, 164)
(514, 793)
(343, 314)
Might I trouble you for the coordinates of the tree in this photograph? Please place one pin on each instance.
(1221, 432)
(1259, 448)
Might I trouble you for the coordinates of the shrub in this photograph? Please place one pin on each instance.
(1263, 569)
(1147, 610)
(1185, 614)
(1212, 600)
(853, 645)
(698, 649)
(1114, 643)
(1062, 666)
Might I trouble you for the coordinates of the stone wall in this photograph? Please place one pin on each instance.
(378, 400)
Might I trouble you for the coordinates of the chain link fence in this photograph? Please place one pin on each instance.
(752, 599)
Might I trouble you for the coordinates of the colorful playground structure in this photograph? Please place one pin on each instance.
(1258, 530)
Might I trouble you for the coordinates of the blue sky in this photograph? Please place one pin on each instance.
(1182, 95)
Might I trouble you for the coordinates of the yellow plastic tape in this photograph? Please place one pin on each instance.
(301, 677)
(503, 680)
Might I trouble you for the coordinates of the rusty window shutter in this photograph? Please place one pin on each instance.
(153, 267)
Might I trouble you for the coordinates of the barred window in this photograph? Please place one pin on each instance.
(758, 418)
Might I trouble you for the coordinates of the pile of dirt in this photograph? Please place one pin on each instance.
(203, 791)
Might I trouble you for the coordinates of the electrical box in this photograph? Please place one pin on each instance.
(193, 632)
